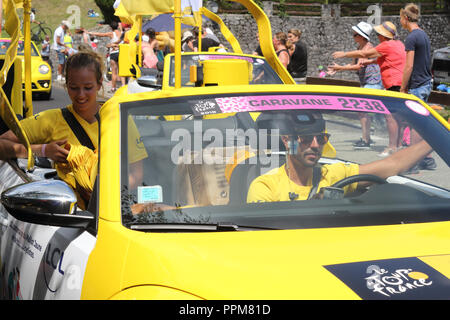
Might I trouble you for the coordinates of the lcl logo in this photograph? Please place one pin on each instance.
(53, 273)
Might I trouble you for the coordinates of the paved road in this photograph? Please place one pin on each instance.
(59, 99)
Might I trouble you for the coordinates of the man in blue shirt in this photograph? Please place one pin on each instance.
(417, 73)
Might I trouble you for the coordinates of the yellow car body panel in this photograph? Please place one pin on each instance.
(281, 264)
(153, 293)
(110, 161)
(285, 264)
(37, 77)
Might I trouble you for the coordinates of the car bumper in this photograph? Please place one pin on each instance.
(40, 86)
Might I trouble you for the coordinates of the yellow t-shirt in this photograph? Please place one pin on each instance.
(276, 185)
(50, 125)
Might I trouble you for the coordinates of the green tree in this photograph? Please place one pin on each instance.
(106, 7)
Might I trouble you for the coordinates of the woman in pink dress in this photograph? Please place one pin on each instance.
(149, 43)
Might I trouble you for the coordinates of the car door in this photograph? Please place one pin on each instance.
(39, 261)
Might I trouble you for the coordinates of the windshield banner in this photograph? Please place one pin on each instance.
(281, 102)
(218, 57)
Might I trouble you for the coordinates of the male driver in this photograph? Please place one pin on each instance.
(303, 135)
(60, 47)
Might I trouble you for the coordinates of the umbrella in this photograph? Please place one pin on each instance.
(163, 22)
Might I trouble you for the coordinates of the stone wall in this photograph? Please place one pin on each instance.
(326, 34)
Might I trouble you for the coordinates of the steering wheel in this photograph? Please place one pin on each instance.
(357, 178)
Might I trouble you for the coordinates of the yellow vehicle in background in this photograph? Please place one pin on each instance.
(41, 73)
(171, 217)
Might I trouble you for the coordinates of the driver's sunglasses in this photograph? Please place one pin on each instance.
(321, 138)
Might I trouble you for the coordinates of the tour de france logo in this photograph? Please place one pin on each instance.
(404, 278)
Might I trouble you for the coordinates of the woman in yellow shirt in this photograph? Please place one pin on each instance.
(48, 131)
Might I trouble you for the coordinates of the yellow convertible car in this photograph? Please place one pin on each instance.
(194, 226)
(41, 73)
(237, 192)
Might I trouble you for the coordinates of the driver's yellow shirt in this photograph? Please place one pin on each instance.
(275, 185)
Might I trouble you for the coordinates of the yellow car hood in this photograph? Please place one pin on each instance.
(334, 263)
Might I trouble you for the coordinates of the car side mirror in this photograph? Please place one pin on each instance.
(149, 78)
(47, 202)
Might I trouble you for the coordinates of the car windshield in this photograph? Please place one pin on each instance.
(4, 45)
(203, 154)
(262, 73)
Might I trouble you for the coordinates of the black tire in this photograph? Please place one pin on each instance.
(45, 95)
(47, 32)
(38, 34)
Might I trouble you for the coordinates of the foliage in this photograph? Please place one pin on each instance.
(52, 12)
(106, 7)
(282, 9)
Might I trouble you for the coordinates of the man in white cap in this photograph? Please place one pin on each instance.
(60, 47)
(187, 42)
(369, 76)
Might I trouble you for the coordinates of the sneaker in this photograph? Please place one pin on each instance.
(413, 170)
(371, 142)
(361, 144)
(427, 164)
(386, 152)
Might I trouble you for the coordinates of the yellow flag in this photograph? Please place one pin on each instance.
(139, 7)
(7, 111)
(124, 15)
(18, 3)
(191, 12)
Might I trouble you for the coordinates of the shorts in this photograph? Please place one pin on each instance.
(61, 57)
(422, 92)
(394, 88)
(114, 56)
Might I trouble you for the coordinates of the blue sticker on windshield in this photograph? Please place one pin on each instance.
(403, 278)
(150, 194)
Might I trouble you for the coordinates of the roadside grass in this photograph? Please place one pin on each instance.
(52, 12)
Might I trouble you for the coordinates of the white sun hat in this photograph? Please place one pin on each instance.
(364, 29)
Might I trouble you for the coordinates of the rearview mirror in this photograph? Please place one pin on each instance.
(149, 78)
(47, 202)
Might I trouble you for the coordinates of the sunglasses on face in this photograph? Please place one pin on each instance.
(321, 138)
(354, 35)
